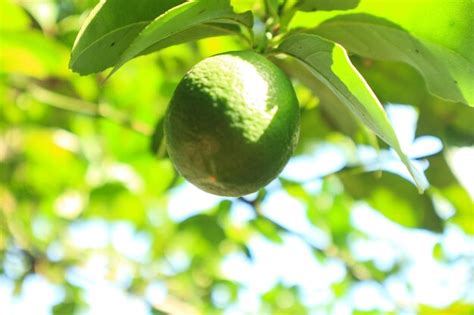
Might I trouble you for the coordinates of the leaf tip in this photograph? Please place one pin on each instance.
(418, 176)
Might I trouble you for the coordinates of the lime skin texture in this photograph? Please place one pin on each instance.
(232, 123)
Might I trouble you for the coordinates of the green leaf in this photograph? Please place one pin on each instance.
(283, 299)
(438, 253)
(272, 7)
(51, 168)
(31, 53)
(158, 142)
(206, 226)
(447, 33)
(181, 19)
(295, 189)
(267, 229)
(331, 107)
(398, 83)
(69, 307)
(340, 289)
(338, 219)
(195, 33)
(330, 63)
(458, 308)
(223, 209)
(247, 251)
(326, 5)
(450, 23)
(447, 73)
(109, 30)
(114, 202)
(155, 311)
(13, 17)
(395, 198)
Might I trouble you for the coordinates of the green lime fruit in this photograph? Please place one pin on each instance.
(232, 123)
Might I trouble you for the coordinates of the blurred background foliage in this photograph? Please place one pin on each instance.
(87, 205)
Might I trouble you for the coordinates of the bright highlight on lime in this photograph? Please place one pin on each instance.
(232, 123)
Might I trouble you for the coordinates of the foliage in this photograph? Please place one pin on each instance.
(85, 181)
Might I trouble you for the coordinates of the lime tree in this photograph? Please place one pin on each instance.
(232, 123)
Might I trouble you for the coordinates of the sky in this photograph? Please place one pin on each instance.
(432, 282)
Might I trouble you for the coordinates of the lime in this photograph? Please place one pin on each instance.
(232, 123)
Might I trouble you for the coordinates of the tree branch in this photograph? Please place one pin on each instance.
(100, 110)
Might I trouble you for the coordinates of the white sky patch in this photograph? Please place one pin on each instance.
(221, 295)
(326, 159)
(55, 251)
(128, 243)
(403, 119)
(100, 267)
(127, 175)
(103, 298)
(118, 172)
(187, 200)
(37, 296)
(94, 269)
(461, 161)
(6, 292)
(69, 205)
(397, 288)
(156, 292)
(432, 283)
(241, 213)
(41, 228)
(249, 301)
(366, 153)
(424, 146)
(291, 213)
(66, 140)
(292, 263)
(178, 261)
(383, 253)
(90, 234)
(45, 11)
(443, 289)
(341, 307)
(444, 208)
(368, 295)
(417, 244)
(456, 243)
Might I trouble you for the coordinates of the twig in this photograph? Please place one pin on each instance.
(100, 110)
